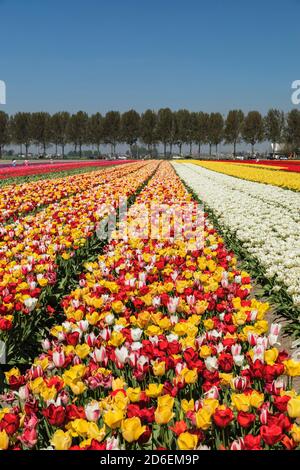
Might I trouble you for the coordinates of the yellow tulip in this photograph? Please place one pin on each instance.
(78, 427)
(113, 418)
(293, 407)
(132, 429)
(117, 306)
(77, 387)
(134, 394)
(208, 324)
(14, 372)
(82, 350)
(159, 368)
(203, 418)
(61, 440)
(292, 368)
(256, 399)
(205, 351)
(163, 414)
(4, 440)
(240, 401)
(295, 432)
(190, 376)
(187, 405)
(116, 339)
(187, 441)
(94, 432)
(270, 356)
(154, 390)
(48, 393)
(165, 400)
(118, 384)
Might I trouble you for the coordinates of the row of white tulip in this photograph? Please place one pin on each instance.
(264, 218)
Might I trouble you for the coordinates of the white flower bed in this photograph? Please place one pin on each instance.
(264, 218)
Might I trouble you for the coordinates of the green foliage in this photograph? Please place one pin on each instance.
(130, 127)
(233, 127)
(292, 130)
(4, 130)
(215, 129)
(253, 128)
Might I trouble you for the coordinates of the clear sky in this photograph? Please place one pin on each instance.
(98, 55)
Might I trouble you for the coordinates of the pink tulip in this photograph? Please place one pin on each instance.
(58, 358)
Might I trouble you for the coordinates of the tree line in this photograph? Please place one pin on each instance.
(172, 129)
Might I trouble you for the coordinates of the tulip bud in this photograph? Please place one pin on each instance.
(99, 355)
(92, 411)
(76, 361)
(46, 344)
(240, 383)
(105, 334)
(91, 339)
(236, 349)
(23, 393)
(263, 417)
(211, 363)
(109, 319)
(58, 358)
(252, 339)
(64, 397)
(83, 325)
(121, 354)
(136, 334)
(238, 444)
(35, 372)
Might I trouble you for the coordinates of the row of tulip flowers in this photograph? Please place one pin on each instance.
(17, 200)
(160, 347)
(31, 247)
(281, 178)
(265, 220)
(7, 172)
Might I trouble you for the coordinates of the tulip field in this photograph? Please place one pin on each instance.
(151, 340)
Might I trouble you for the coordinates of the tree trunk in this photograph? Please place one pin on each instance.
(171, 148)
(26, 149)
(80, 152)
(21, 149)
(210, 149)
(252, 149)
(199, 149)
(191, 148)
(216, 150)
(274, 149)
(180, 148)
(234, 149)
(63, 150)
(56, 145)
(0, 151)
(44, 148)
(165, 149)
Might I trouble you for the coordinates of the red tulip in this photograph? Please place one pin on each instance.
(271, 434)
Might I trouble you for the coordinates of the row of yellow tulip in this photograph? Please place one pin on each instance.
(283, 179)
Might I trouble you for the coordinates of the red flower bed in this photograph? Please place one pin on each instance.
(283, 165)
(37, 168)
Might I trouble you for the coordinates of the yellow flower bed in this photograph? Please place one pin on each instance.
(279, 178)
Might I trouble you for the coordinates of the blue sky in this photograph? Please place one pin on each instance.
(98, 55)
